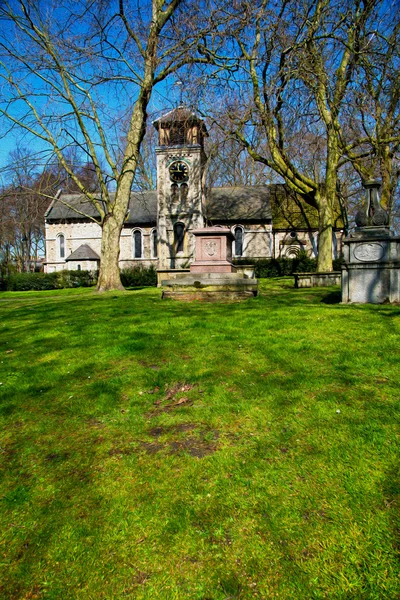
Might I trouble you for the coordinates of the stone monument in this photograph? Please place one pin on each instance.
(371, 271)
(213, 250)
(212, 275)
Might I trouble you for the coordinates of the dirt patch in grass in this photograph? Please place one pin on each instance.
(197, 444)
(8, 452)
(95, 423)
(193, 446)
(137, 580)
(57, 457)
(153, 366)
(128, 451)
(173, 391)
(201, 445)
(98, 440)
(150, 447)
(175, 397)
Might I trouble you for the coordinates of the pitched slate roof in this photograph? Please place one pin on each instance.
(84, 252)
(142, 208)
(238, 204)
(225, 204)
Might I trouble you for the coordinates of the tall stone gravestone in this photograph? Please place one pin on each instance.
(371, 272)
(212, 275)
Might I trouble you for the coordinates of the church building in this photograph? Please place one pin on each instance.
(266, 221)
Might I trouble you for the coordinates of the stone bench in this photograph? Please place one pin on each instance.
(210, 287)
(323, 279)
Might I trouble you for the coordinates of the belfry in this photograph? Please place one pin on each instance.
(180, 162)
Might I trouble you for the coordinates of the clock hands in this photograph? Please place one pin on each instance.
(179, 172)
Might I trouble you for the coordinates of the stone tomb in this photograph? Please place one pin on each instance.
(371, 273)
(212, 275)
(213, 251)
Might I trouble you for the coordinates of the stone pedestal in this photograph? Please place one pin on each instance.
(371, 272)
(212, 275)
(213, 251)
(210, 287)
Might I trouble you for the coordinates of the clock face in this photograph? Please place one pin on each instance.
(179, 171)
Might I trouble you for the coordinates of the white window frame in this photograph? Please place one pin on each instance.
(234, 241)
(58, 237)
(134, 244)
(152, 232)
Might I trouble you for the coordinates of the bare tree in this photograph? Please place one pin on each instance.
(70, 72)
(23, 204)
(297, 62)
(371, 137)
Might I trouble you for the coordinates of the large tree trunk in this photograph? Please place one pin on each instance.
(324, 262)
(326, 201)
(109, 277)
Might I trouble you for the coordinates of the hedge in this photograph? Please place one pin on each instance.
(142, 277)
(22, 282)
(139, 276)
(280, 267)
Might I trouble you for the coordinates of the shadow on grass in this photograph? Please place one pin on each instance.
(391, 314)
(332, 298)
(139, 288)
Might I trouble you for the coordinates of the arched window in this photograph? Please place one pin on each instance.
(61, 245)
(174, 192)
(179, 236)
(137, 244)
(153, 242)
(184, 192)
(238, 233)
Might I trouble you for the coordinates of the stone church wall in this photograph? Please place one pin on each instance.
(257, 240)
(89, 233)
(290, 243)
(75, 234)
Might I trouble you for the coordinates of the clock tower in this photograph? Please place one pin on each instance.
(180, 162)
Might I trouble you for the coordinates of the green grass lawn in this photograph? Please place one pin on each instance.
(155, 449)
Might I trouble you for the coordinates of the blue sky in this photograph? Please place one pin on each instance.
(116, 98)
(165, 96)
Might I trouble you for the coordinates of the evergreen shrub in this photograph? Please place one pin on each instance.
(139, 276)
(70, 279)
(281, 267)
(22, 282)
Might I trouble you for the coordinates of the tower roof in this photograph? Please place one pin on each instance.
(181, 114)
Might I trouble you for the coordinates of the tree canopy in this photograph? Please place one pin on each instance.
(308, 88)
